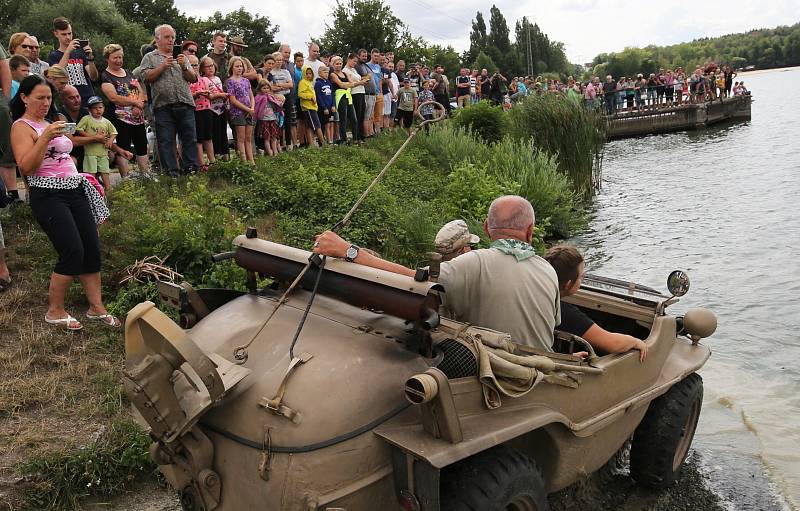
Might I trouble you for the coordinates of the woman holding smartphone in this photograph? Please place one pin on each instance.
(64, 203)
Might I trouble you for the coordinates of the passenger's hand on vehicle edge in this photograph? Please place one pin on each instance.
(330, 244)
(642, 347)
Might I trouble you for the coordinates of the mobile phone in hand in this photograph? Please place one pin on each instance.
(69, 128)
(176, 50)
(83, 42)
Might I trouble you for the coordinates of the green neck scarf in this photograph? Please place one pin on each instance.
(516, 248)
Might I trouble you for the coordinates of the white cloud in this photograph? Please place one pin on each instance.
(586, 27)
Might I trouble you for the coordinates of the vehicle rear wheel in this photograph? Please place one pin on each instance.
(662, 440)
(499, 479)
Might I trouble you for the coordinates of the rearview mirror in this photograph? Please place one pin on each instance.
(678, 283)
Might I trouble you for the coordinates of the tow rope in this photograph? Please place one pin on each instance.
(240, 353)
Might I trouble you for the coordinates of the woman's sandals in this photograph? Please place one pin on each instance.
(107, 319)
(71, 324)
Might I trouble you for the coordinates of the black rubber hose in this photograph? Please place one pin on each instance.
(311, 447)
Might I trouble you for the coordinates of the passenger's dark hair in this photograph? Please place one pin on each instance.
(26, 86)
(565, 260)
(61, 23)
(298, 54)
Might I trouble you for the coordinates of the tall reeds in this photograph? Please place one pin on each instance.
(514, 166)
(565, 129)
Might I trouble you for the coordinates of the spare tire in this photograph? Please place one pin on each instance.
(662, 440)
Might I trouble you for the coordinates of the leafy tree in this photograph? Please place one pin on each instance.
(97, 20)
(411, 49)
(484, 61)
(257, 31)
(445, 56)
(363, 24)
(151, 13)
(478, 39)
(10, 11)
(499, 44)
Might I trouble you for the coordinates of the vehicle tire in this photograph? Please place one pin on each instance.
(662, 440)
(497, 479)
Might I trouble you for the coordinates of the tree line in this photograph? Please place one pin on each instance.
(353, 24)
(531, 53)
(131, 24)
(761, 48)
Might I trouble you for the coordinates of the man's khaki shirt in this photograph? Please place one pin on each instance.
(491, 289)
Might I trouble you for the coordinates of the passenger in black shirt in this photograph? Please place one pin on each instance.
(569, 266)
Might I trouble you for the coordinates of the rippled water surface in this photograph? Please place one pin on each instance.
(724, 205)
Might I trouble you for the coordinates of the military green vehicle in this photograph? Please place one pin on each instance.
(367, 399)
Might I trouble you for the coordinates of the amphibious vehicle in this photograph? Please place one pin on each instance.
(370, 399)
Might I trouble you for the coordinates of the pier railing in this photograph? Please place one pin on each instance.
(686, 116)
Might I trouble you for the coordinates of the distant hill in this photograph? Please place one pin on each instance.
(761, 48)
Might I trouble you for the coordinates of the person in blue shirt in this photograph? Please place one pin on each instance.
(375, 69)
(20, 69)
(326, 105)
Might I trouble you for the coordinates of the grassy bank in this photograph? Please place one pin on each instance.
(65, 431)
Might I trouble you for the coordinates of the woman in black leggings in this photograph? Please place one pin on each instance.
(346, 112)
(64, 203)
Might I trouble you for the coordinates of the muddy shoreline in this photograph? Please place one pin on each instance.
(610, 489)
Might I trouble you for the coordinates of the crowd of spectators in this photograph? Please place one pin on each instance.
(68, 123)
(626, 94)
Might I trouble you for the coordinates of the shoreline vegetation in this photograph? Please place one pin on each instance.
(65, 427)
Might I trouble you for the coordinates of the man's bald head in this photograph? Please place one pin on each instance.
(71, 98)
(510, 216)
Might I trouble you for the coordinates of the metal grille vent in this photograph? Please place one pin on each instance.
(458, 361)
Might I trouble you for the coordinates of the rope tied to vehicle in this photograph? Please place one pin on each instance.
(240, 353)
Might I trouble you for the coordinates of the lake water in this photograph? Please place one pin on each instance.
(720, 204)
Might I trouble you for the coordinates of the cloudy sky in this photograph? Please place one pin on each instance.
(586, 27)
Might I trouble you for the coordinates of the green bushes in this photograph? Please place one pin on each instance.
(527, 171)
(486, 121)
(185, 223)
(470, 190)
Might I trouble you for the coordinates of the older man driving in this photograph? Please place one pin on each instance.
(506, 287)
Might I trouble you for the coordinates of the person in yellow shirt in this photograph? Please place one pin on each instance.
(308, 106)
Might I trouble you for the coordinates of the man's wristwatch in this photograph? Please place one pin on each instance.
(351, 254)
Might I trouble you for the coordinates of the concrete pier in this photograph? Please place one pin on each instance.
(677, 118)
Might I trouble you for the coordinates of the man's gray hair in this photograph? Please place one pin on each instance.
(510, 212)
(284, 44)
(160, 28)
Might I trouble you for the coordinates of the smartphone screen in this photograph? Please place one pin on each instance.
(176, 50)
